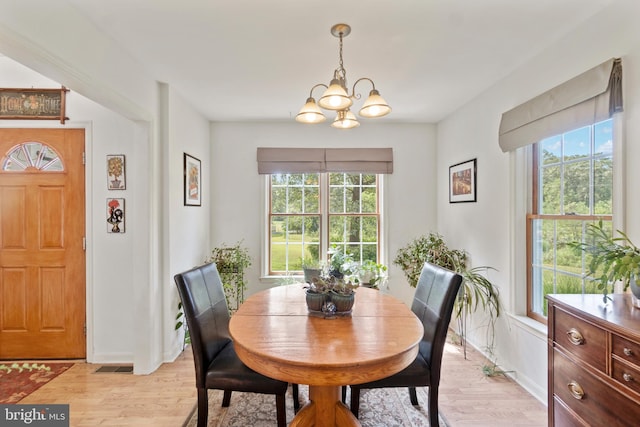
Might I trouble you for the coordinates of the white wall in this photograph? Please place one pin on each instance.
(237, 189)
(492, 227)
(188, 226)
(118, 303)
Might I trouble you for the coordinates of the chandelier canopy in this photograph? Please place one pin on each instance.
(336, 96)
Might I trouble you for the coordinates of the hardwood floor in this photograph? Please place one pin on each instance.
(166, 397)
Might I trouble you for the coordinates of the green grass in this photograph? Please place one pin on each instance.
(278, 252)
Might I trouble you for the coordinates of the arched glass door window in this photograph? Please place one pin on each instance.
(30, 156)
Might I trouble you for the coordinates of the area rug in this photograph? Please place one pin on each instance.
(20, 380)
(389, 407)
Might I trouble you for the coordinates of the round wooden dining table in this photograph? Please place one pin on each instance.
(274, 334)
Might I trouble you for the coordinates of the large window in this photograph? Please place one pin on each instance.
(312, 213)
(572, 187)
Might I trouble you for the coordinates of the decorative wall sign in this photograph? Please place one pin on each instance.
(33, 104)
(116, 179)
(192, 181)
(462, 182)
(115, 215)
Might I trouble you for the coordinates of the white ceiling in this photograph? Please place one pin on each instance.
(257, 60)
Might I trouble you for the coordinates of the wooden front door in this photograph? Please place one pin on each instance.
(42, 258)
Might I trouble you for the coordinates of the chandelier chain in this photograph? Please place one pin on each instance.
(341, 70)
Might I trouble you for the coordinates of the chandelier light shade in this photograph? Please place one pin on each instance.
(345, 119)
(336, 96)
(310, 113)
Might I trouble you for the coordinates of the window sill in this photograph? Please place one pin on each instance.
(534, 327)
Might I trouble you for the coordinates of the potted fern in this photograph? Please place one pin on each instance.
(612, 259)
(476, 291)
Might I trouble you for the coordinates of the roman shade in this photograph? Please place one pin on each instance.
(311, 160)
(593, 96)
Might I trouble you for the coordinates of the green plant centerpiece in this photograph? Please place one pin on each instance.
(231, 262)
(328, 296)
(476, 291)
(611, 259)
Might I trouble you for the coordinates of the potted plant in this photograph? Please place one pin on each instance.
(342, 294)
(317, 293)
(340, 263)
(311, 268)
(612, 259)
(231, 262)
(476, 290)
(372, 274)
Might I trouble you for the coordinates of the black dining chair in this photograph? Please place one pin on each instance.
(216, 362)
(433, 304)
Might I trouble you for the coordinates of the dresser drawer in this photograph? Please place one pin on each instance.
(628, 375)
(626, 350)
(590, 398)
(582, 339)
(562, 416)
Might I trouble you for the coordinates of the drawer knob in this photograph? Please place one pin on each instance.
(576, 390)
(575, 337)
(627, 351)
(627, 377)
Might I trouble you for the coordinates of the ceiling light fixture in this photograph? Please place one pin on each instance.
(336, 96)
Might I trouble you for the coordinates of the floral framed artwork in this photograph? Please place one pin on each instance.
(192, 181)
(462, 182)
(115, 215)
(116, 179)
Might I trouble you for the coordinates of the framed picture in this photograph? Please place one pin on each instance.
(115, 215)
(462, 182)
(192, 181)
(116, 179)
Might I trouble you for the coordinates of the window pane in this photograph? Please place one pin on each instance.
(550, 190)
(576, 193)
(369, 200)
(603, 186)
(294, 200)
(603, 138)
(352, 199)
(336, 200)
(369, 229)
(551, 149)
(311, 200)
(577, 144)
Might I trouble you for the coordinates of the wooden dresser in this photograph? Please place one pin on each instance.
(594, 361)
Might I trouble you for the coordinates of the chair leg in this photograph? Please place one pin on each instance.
(433, 405)
(281, 411)
(355, 401)
(296, 401)
(344, 394)
(414, 396)
(226, 398)
(203, 407)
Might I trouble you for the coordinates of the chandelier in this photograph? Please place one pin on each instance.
(336, 96)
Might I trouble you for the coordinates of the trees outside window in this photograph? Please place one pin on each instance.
(572, 187)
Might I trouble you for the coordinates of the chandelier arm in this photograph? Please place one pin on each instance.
(319, 84)
(353, 90)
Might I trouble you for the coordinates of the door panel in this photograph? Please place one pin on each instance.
(42, 260)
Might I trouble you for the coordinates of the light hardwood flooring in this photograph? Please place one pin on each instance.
(166, 397)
